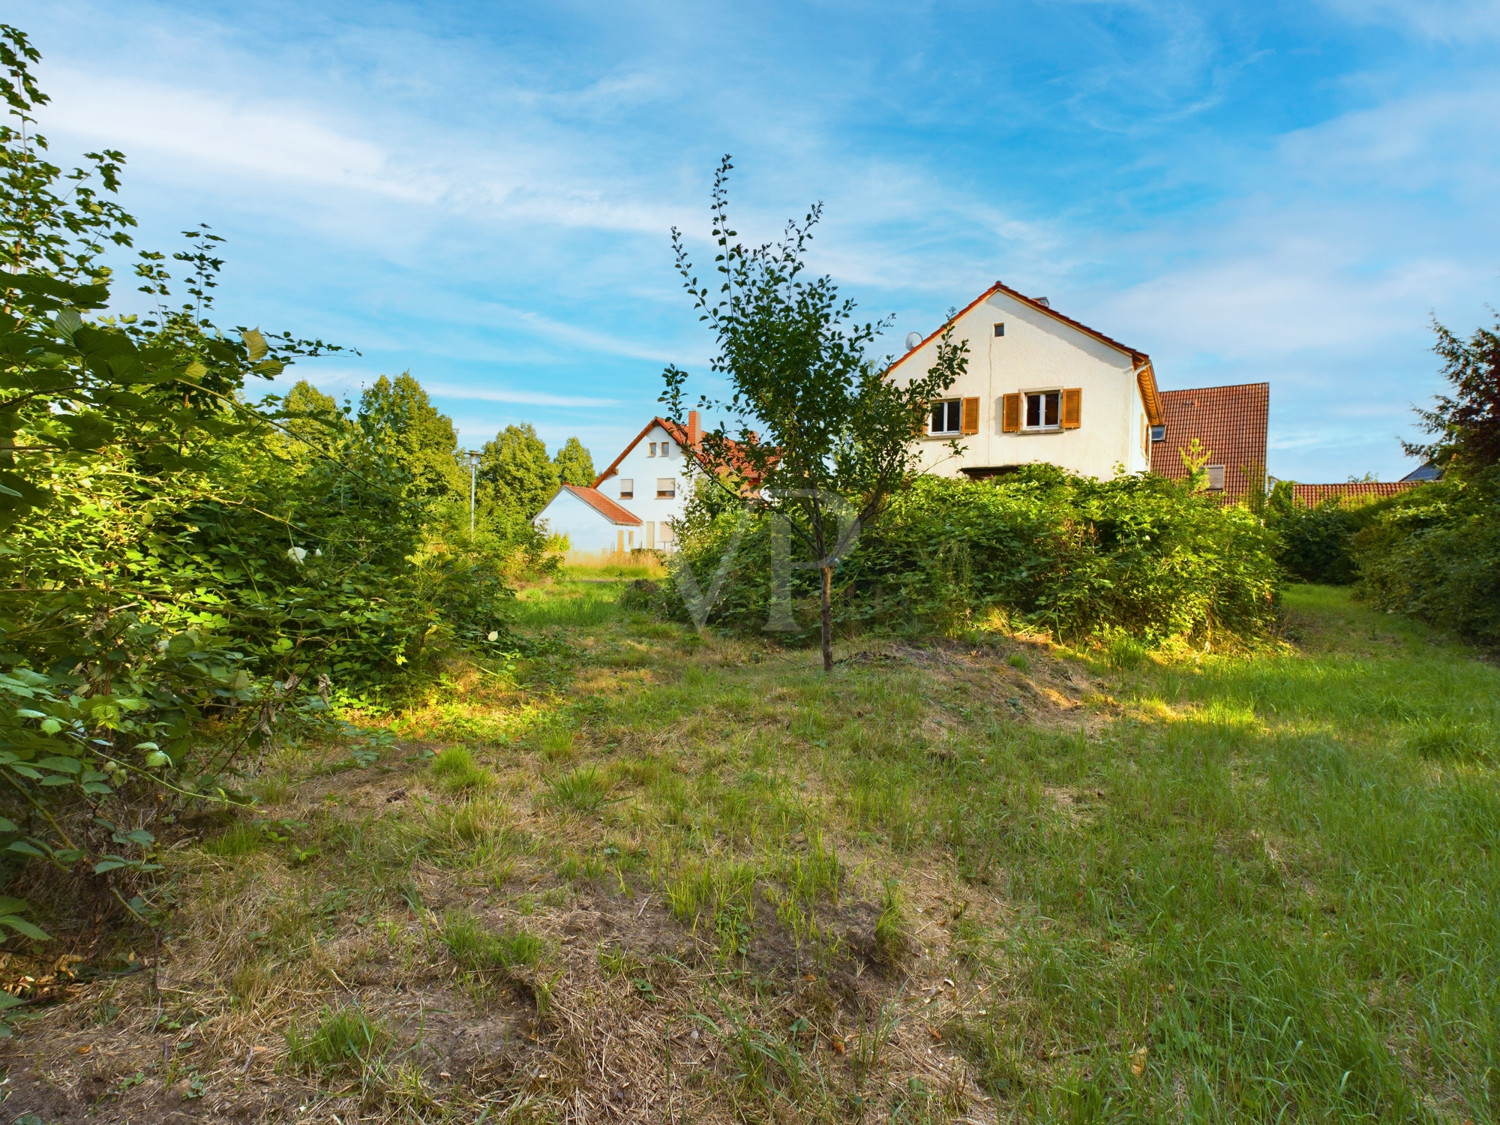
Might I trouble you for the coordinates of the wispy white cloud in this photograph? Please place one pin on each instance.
(1442, 21)
(468, 393)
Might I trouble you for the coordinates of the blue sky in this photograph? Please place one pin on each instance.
(482, 192)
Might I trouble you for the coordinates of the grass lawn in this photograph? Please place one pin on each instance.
(662, 878)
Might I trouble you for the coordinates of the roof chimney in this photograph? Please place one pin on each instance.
(695, 429)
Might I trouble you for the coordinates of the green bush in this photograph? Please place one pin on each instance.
(1314, 544)
(1434, 554)
(1073, 555)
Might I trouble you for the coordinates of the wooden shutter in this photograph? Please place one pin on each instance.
(971, 416)
(1010, 413)
(1072, 408)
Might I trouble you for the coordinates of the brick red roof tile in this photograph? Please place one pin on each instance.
(1229, 422)
(603, 505)
(1311, 495)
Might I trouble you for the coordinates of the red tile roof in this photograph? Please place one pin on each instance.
(603, 505)
(1145, 375)
(1311, 495)
(1229, 422)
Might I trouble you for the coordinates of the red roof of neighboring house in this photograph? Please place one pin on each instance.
(1145, 375)
(1229, 422)
(1311, 495)
(603, 505)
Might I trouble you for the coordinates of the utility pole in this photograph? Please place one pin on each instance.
(473, 458)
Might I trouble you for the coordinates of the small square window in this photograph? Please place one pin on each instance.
(666, 488)
(1158, 433)
(666, 449)
(947, 417)
(627, 488)
(1043, 410)
(1000, 329)
(653, 450)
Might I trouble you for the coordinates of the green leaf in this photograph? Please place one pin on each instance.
(24, 847)
(110, 864)
(255, 344)
(195, 371)
(10, 905)
(8, 825)
(7, 1002)
(61, 764)
(25, 928)
(51, 726)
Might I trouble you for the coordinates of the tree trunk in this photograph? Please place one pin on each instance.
(827, 618)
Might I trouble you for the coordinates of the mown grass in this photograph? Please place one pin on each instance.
(1248, 887)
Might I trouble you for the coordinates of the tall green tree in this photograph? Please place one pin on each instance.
(575, 465)
(398, 415)
(820, 428)
(517, 471)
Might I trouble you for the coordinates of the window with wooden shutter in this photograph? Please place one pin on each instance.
(1010, 413)
(1072, 408)
(971, 415)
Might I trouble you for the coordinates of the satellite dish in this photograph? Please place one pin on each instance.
(913, 339)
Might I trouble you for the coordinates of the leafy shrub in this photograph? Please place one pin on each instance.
(181, 569)
(1075, 556)
(1434, 554)
(1314, 544)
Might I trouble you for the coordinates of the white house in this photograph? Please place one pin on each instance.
(633, 500)
(1039, 387)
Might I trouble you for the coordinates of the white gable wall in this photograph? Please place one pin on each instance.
(1038, 353)
(640, 467)
(587, 528)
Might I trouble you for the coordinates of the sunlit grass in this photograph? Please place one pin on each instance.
(1246, 887)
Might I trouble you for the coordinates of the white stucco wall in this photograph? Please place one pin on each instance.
(587, 528)
(644, 469)
(1037, 353)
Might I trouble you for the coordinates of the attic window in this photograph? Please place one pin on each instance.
(1216, 478)
(666, 449)
(1000, 329)
(653, 450)
(1158, 433)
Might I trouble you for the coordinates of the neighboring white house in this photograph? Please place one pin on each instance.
(591, 521)
(648, 483)
(1039, 387)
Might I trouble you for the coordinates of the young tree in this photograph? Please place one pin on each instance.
(819, 426)
(398, 414)
(516, 466)
(575, 465)
(1467, 423)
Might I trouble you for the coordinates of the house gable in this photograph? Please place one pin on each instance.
(1039, 387)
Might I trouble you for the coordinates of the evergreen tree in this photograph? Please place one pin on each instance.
(517, 470)
(575, 465)
(422, 439)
